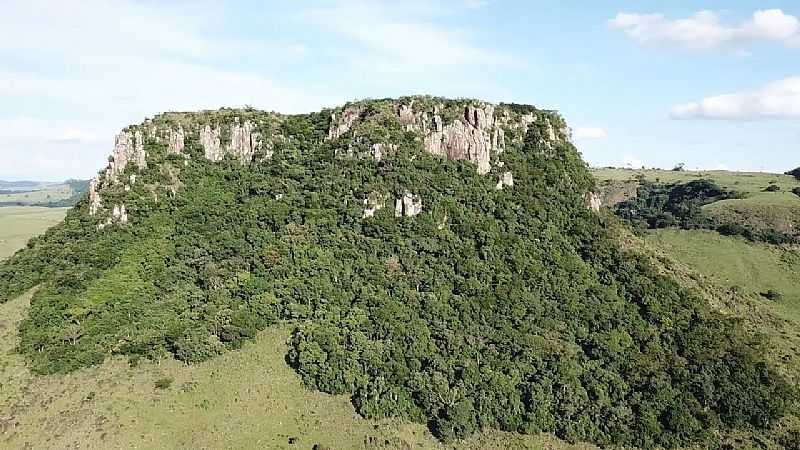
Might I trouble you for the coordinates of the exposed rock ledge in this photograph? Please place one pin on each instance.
(477, 136)
(594, 201)
(476, 132)
(245, 141)
(408, 205)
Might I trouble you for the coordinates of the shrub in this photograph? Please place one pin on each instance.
(772, 295)
(772, 188)
(164, 383)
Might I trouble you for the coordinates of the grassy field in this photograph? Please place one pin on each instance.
(746, 182)
(247, 399)
(18, 224)
(733, 262)
(49, 193)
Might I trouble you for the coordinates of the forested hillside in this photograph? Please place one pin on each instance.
(439, 261)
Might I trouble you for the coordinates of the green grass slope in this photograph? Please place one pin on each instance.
(733, 262)
(18, 224)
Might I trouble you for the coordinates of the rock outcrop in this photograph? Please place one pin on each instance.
(245, 141)
(475, 137)
(372, 204)
(128, 147)
(594, 201)
(477, 134)
(119, 216)
(409, 205)
(209, 140)
(95, 200)
(176, 141)
(344, 123)
(378, 151)
(471, 131)
(506, 179)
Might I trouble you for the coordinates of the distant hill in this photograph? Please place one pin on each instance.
(26, 185)
(39, 193)
(760, 206)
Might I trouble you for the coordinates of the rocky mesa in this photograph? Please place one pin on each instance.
(437, 261)
(466, 130)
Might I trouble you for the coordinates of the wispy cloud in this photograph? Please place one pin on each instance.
(705, 30)
(109, 64)
(583, 133)
(776, 100)
(398, 40)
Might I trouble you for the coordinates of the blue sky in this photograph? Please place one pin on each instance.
(713, 84)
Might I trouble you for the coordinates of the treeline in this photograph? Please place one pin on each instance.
(514, 309)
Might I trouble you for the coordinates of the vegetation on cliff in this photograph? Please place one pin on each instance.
(507, 306)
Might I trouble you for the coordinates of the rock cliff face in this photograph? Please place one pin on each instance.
(244, 142)
(506, 180)
(475, 136)
(128, 148)
(344, 122)
(130, 155)
(472, 131)
(177, 139)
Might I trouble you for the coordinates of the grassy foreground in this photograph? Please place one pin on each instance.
(20, 223)
(247, 399)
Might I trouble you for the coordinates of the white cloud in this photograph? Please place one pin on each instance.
(590, 133)
(776, 100)
(74, 135)
(704, 30)
(400, 41)
(107, 65)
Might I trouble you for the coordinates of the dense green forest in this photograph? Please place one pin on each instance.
(512, 308)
